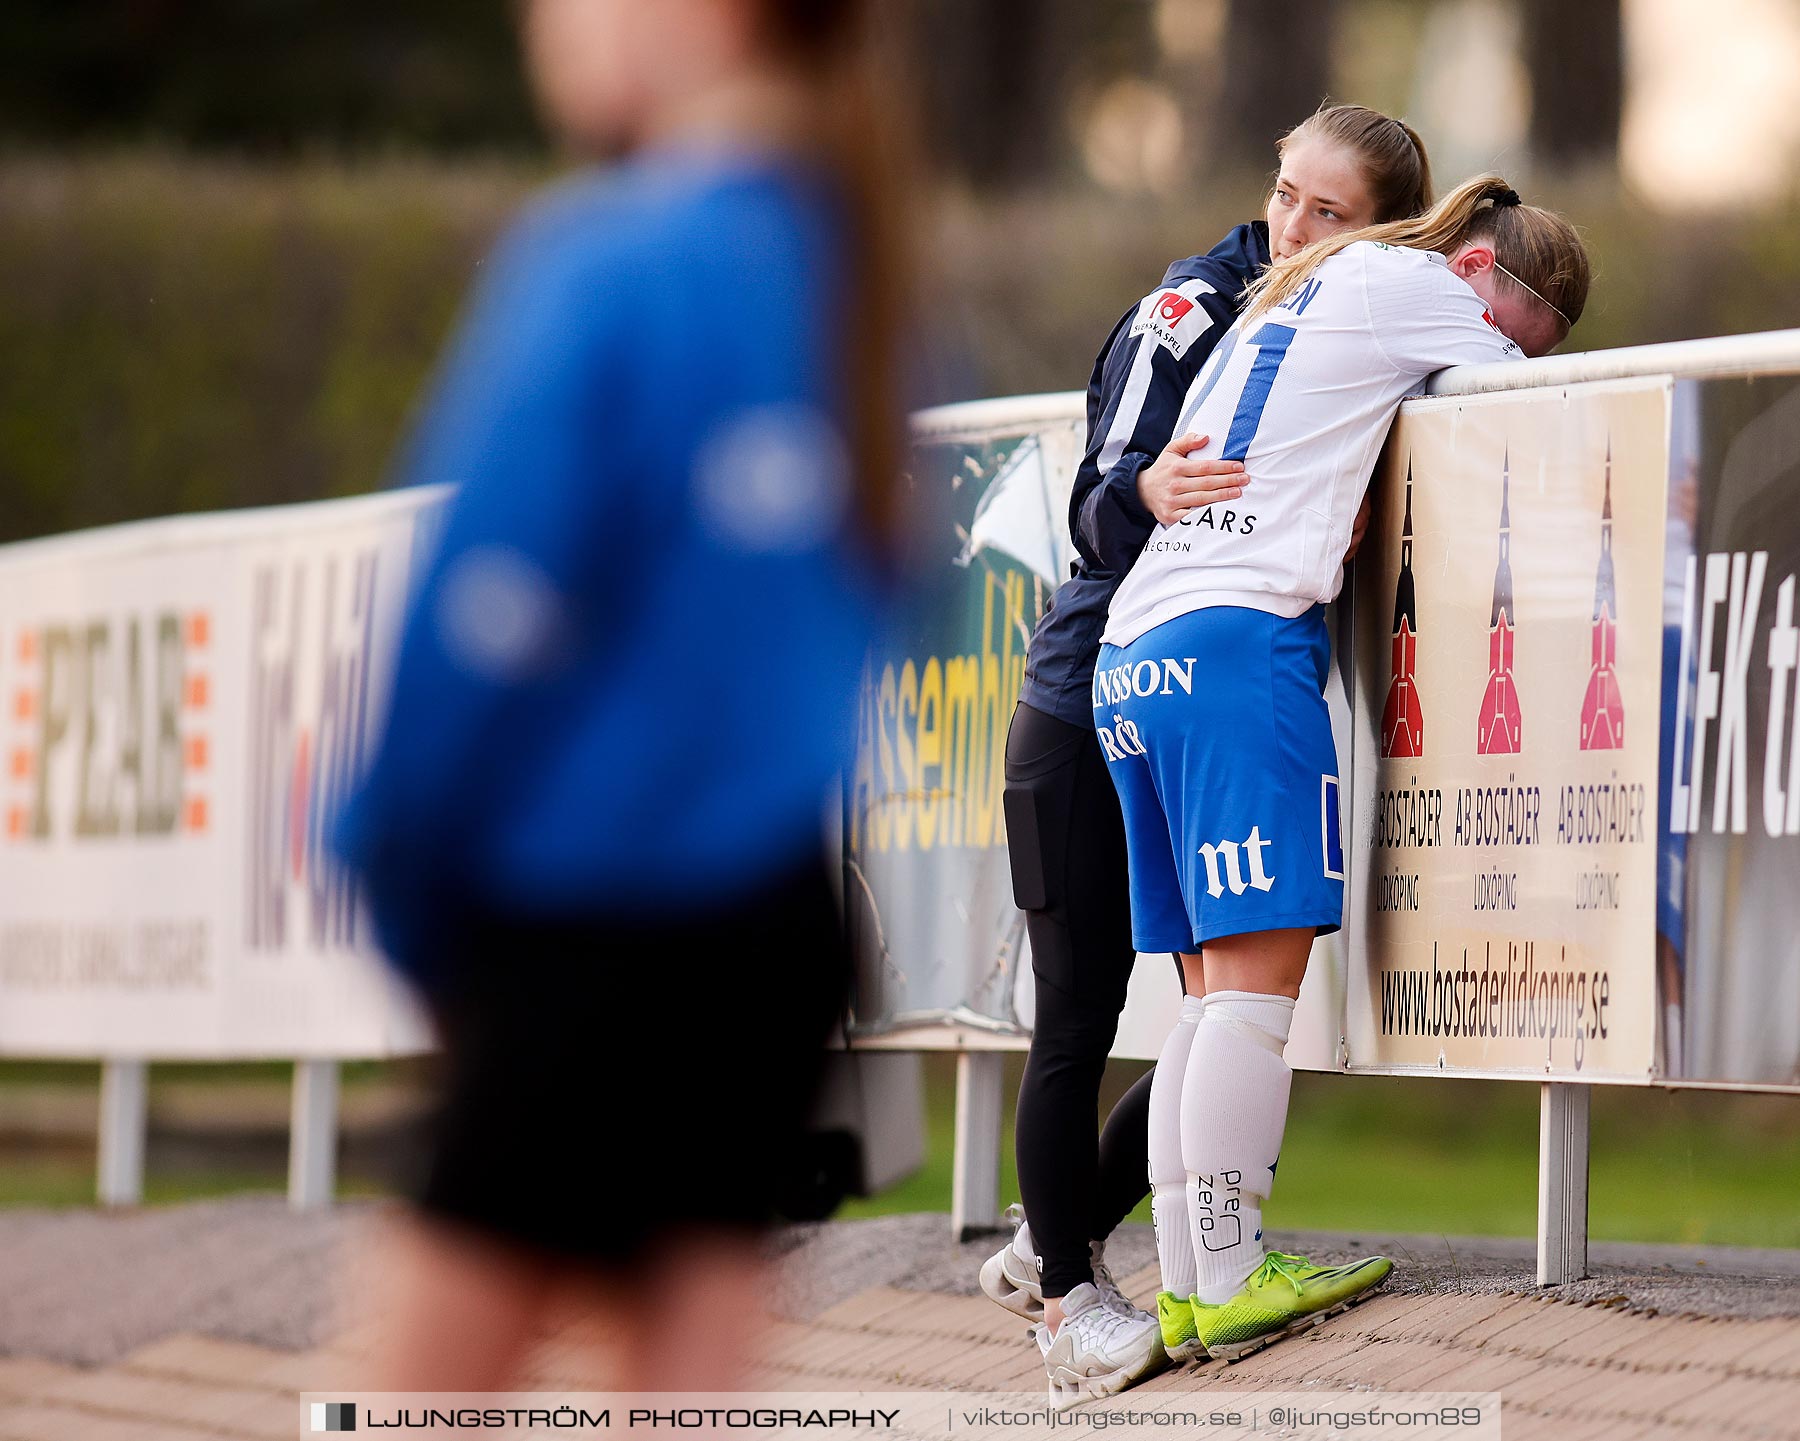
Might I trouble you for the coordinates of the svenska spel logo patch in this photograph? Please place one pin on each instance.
(1169, 319)
(1172, 307)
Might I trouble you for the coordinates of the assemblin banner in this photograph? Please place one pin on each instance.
(929, 892)
(186, 703)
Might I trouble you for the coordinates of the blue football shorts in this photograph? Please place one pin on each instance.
(1217, 735)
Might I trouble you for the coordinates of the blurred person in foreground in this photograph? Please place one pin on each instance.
(592, 833)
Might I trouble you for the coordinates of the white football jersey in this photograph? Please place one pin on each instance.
(1303, 394)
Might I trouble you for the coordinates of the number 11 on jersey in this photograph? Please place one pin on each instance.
(1271, 343)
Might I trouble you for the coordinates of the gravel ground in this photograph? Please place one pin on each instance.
(87, 1287)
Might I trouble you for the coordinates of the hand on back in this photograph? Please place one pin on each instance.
(1177, 481)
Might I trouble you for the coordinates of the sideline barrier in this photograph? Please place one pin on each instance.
(184, 700)
(1575, 610)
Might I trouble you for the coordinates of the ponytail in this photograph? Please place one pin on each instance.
(1538, 246)
(852, 56)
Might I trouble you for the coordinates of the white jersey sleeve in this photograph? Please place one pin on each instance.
(1423, 317)
(1303, 393)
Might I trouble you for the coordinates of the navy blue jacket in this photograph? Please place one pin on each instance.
(1133, 400)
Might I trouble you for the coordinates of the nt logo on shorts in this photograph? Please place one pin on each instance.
(1225, 865)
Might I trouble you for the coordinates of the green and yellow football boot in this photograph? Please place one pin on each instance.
(1283, 1295)
(1176, 1315)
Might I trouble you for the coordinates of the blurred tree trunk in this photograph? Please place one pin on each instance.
(1275, 70)
(988, 71)
(999, 80)
(1575, 50)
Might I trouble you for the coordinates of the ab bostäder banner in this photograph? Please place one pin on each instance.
(1509, 638)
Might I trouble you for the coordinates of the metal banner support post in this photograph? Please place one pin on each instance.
(124, 1095)
(975, 1183)
(312, 1136)
(1562, 1182)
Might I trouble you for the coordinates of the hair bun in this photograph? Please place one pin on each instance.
(1506, 195)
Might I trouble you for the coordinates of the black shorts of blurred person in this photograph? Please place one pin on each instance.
(570, 1170)
(579, 1161)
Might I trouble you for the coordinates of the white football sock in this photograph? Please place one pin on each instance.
(1233, 1112)
(1168, 1173)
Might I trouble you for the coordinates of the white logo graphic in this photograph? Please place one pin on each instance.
(499, 615)
(773, 478)
(1117, 684)
(1231, 872)
(1173, 319)
(1122, 740)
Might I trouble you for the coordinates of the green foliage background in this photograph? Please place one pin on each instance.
(185, 336)
(182, 333)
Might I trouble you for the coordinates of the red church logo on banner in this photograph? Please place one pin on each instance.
(1402, 719)
(1501, 727)
(1603, 708)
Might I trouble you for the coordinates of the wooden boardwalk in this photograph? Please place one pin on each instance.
(1576, 1372)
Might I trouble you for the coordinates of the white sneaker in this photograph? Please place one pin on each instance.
(1013, 1276)
(1106, 1286)
(1099, 1350)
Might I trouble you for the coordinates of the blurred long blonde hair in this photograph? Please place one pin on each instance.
(854, 53)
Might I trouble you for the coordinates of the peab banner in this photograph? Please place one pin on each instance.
(186, 702)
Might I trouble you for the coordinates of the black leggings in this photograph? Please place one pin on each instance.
(1067, 845)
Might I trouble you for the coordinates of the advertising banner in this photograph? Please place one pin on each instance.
(185, 703)
(929, 888)
(929, 892)
(1509, 642)
(1728, 899)
(1571, 736)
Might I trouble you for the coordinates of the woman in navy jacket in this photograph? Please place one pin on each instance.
(1344, 167)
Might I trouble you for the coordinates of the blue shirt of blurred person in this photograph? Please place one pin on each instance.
(627, 678)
